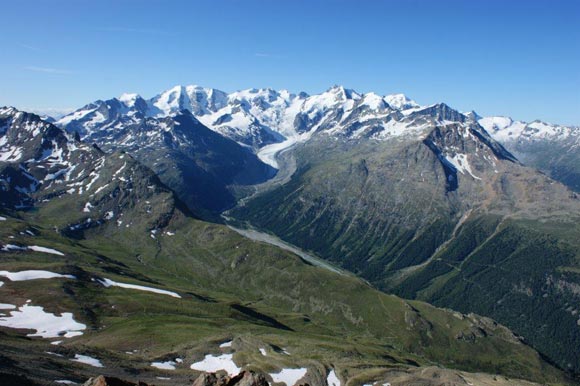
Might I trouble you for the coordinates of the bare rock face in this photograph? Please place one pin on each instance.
(102, 380)
(245, 378)
(251, 379)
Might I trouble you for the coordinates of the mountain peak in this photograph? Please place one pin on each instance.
(8, 110)
(343, 93)
(129, 99)
(373, 101)
(473, 115)
(400, 101)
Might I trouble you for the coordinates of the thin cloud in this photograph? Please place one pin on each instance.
(54, 112)
(48, 70)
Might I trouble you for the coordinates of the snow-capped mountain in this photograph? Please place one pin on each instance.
(37, 155)
(506, 129)
(81, 186)
(196, 162)
(553, 149)
(257, 117)
(269, 121)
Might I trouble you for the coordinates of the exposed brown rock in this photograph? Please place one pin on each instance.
(245, 378)
(101, 380)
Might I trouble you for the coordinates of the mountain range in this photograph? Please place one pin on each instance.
(257, 118)
(422, 202)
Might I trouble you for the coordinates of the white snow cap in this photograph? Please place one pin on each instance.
(400, 101)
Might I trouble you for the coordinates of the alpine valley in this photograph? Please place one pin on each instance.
(331, 239)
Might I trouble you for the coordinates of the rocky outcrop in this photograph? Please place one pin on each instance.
(245, 378)
(102, 380)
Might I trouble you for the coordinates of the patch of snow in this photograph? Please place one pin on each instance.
(65, 382)
(87, 207)
(47, 325)
(461, 164)
(77, 115)
(2, 218)
(56, 342)
(51, 251)
(213, 363)
(12, 247)
(87, 360)
(5, 306)
(33, 275)
(11, 154)
(111, 283)
(36, 248)
(168, 365)
(100, 188)
(373, 101)
(400, 102)
(226, 344)
(263, 351)
(289, 376)
(332, 379)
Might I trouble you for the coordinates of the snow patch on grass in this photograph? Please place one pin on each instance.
(213, 363)
(47, 325)
(33, 275)
(35, 248)
(289, 376)
(168, 365)
(332, 379)
(87, 360)
(111, 283)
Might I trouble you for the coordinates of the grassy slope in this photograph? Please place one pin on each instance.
(320, 317)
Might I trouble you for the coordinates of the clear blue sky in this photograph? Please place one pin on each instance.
(519, 58)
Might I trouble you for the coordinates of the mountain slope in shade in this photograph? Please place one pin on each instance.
(553, 149)
(197, 163)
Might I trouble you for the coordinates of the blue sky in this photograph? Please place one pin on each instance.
(516, 58)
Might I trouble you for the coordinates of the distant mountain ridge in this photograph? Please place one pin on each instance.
(553, 149)
(196, 162)
(258, 118)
